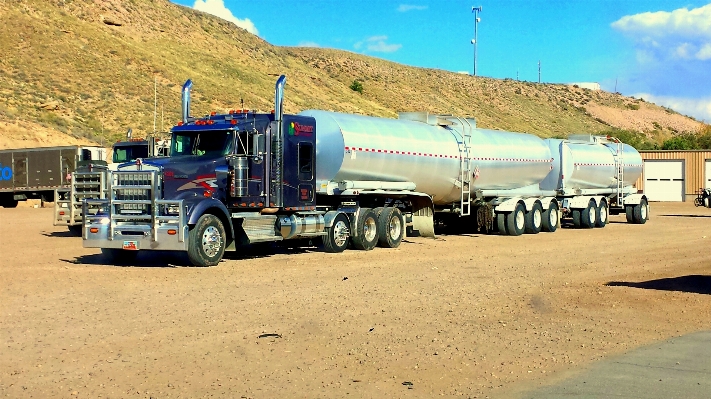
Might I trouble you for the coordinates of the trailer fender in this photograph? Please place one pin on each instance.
(510, 204)
(330, 216)
(529, 202)
(582, 201)
(422, 214)
(211, 205)
(635, 199)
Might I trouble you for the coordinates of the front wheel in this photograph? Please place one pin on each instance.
(336, 238)
(206, 241)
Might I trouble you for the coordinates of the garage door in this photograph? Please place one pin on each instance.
(707, 174)
(664, 180)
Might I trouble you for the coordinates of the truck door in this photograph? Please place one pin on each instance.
(19, 174)
(299, 161)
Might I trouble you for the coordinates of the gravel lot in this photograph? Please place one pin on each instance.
(470, 316)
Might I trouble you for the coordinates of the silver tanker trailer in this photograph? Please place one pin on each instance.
(245, 177)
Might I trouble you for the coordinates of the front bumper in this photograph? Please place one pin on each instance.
(167, 237)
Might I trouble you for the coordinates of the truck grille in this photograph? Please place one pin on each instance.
(132, 192)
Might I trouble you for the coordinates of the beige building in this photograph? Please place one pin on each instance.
(674, 175)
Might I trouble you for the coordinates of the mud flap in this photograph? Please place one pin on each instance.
(422, 216)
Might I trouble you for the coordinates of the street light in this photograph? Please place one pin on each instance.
(475, 10)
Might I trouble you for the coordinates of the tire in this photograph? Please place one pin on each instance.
(391, 226)
(76, 230)
(534, 219)
(120, 256)
(640, 212)
(336, 238)
(10, 203)
(549, 223)
(366, 230)
(587, 215)
(516, 221)
(501, 223)
(206, 241)
(629, 213)
(601, 215)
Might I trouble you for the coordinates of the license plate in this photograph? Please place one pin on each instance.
(130, 245)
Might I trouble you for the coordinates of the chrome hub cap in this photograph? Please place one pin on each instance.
(520, 220)
(211, 241)
(340, 233)
(537, 218)
(395, 228)
(553, 217)
(369, 229)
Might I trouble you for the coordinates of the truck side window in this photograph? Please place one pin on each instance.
(306, 161)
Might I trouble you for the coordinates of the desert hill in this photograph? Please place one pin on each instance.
(84, 70)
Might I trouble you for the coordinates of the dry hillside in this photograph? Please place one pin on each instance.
(76, 70)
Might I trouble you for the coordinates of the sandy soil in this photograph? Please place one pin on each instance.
(460, 316)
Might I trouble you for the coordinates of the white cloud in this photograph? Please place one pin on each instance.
(218, 9)
(699, 108)
(308, 44)
(681, 33)
(377, 44)
(410, 7)
(705, 52)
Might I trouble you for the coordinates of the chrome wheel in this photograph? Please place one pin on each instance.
(520, 220)
(211, 241)
(340, 233)
(553, 216)
(395, 228)
(369, 229)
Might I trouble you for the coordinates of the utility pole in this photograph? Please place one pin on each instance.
(475, 10)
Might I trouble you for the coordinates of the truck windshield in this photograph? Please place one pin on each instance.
(213, 144)
(130, 153)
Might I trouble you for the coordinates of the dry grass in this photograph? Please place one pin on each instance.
(101, 77)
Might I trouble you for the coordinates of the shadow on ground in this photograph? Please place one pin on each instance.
(696, 284)
(688, 216)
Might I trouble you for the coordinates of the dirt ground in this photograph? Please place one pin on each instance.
(460, 316)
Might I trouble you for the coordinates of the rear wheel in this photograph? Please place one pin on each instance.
(501, 223)
(119, 255)
(601, 215)
(336, 238)
(516, 221)
(550, 218)
(534, 219)
(366, 230)
(206, 241)
(391, 226)
(640, 212)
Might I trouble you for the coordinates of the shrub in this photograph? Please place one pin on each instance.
(357, 86)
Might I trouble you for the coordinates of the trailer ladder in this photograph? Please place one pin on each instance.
(620, 173)
(465, 167)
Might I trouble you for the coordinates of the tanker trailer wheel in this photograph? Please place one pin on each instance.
(501, 223)
(206, 241)
(366, 230)
(601, 214)
(534, 219)
(391, 226)
(587, 215)
(336, 238)
(549, 223)
(640, 212)
(120, 256)
(516, 221)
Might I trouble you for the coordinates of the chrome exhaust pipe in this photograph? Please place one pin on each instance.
(279, 97)
(185, 100)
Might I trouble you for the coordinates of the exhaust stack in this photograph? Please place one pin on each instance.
(185, 100)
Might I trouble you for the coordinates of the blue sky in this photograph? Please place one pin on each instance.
(658, 50)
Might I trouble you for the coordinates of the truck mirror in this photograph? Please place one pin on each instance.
(259, 144)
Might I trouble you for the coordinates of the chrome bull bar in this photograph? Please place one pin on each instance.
(133, 213)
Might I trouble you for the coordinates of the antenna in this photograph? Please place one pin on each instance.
(155, 103)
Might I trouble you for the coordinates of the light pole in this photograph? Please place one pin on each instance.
(475, 10)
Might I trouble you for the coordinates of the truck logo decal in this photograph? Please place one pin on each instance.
(297, 129)
(207, 182)
(5, 173)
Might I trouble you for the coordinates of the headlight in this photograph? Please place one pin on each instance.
(104, 221)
